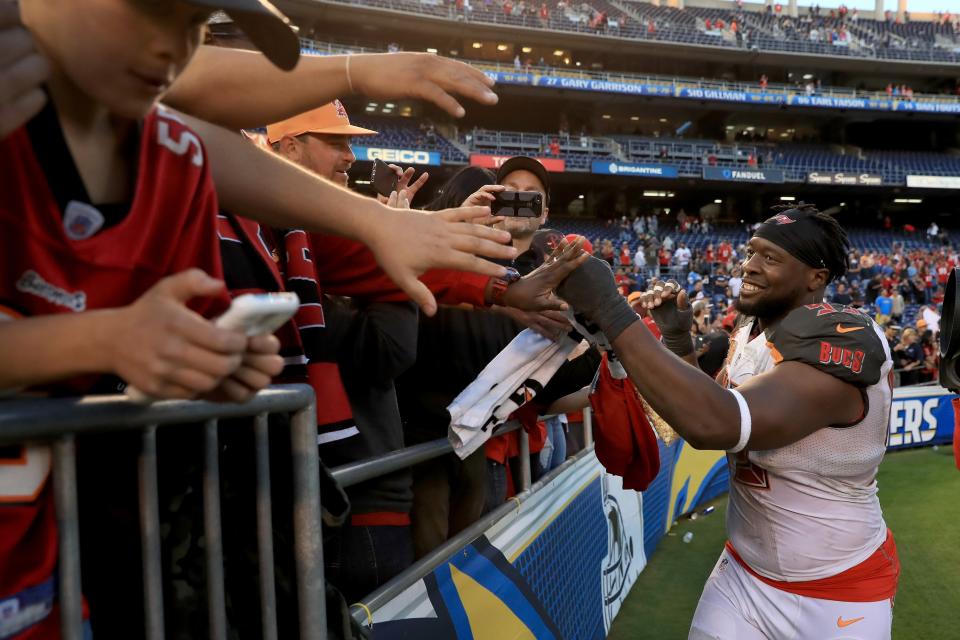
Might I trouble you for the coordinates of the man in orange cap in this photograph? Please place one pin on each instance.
(319, 140)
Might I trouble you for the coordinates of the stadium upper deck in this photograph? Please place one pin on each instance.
(758, 29)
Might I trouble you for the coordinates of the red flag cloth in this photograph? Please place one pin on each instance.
(625, 443)
(956, 432)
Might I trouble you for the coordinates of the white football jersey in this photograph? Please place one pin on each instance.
(810, 510)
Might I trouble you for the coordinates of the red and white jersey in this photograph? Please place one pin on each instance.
(60, 254)
(810, 510)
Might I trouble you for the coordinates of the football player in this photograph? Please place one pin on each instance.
(802, 410)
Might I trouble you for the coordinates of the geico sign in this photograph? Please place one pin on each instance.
(399, 155)
(912, 421)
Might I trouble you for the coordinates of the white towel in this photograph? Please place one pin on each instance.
(510, 380)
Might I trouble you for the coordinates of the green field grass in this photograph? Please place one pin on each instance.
(920, 495)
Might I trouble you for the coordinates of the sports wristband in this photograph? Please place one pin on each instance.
(745, 422)
(499, 286)
(681, 345)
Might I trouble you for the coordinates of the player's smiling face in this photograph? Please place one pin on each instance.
(119, 54)
(774, 282)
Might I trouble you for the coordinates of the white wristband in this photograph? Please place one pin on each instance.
(745, 422)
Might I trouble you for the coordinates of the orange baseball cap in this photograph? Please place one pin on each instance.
(331, 118)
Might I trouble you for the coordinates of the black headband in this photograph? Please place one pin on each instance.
(798, 233)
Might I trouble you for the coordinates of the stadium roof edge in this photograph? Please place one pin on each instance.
(332, 11)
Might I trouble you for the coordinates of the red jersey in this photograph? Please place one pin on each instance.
(63, 255)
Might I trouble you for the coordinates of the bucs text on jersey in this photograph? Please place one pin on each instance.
(809, 510)
(63, 254)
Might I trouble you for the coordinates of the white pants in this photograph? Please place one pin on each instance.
(736, 606)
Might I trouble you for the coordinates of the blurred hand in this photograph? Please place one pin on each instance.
(407, 243)
(535, 291)
(420, 75)
(166, 350)
(22, 71)
(552, 325)
(483, 196)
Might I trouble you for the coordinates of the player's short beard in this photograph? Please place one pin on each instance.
(765, 306)
(519, 227)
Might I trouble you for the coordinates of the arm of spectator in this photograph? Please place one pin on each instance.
(242, 89)
(156, 344)
(552, 325)
(374, 342)
(576, 401)
(262, 186)
(405, 191)
(22, 71)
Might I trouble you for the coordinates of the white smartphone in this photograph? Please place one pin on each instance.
(255, 314)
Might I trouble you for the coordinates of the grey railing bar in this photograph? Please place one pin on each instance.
(525, 475)
(213, 533)
(268, 593)
(587, 427)
(432, 560)
(50, 418)
(307, 542)
(355, 472)
(150, 535)
(65, 498)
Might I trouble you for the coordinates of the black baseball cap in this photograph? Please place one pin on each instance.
(266, 27)
(526, 163)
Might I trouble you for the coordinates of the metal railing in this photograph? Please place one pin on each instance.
(59, 421)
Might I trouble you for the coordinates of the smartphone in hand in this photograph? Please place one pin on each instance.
(383, 178)
(522, 204)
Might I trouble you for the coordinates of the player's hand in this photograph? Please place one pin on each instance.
(420, 75)
(669, 306)
(552, 325)
(483, 196)
(535, 291)
(166, 350)
(407, 243)
(22, 71)
(261, 363)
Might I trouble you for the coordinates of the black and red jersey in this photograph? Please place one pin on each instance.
(63, 254)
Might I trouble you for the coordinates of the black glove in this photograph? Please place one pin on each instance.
(592, 292)
(674, 319)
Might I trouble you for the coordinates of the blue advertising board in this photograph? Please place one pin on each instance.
(730, 174)
(405, 156)
(613, 168)
(757, 96)
(920, 417)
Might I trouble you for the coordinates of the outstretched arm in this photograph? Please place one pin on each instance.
(242, 89)
(786, 404)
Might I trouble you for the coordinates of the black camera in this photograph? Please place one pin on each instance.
(950, 336)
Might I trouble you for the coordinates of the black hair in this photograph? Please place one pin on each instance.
(461, 186)
(837, 246)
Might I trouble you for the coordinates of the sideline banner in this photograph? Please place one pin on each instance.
(933, 182)
(406, 156)
(559, 566)
(920, 417)
(843, 178)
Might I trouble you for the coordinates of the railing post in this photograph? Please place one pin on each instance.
(65, 499)
(213, 533)
(150, 536)
(268, 594)
(308, 546)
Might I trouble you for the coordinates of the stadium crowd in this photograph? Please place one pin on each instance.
(130, 225)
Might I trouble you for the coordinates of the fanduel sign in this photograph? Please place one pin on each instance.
(859, 179)
(405, 156)
(608, 167)
(743, 175)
